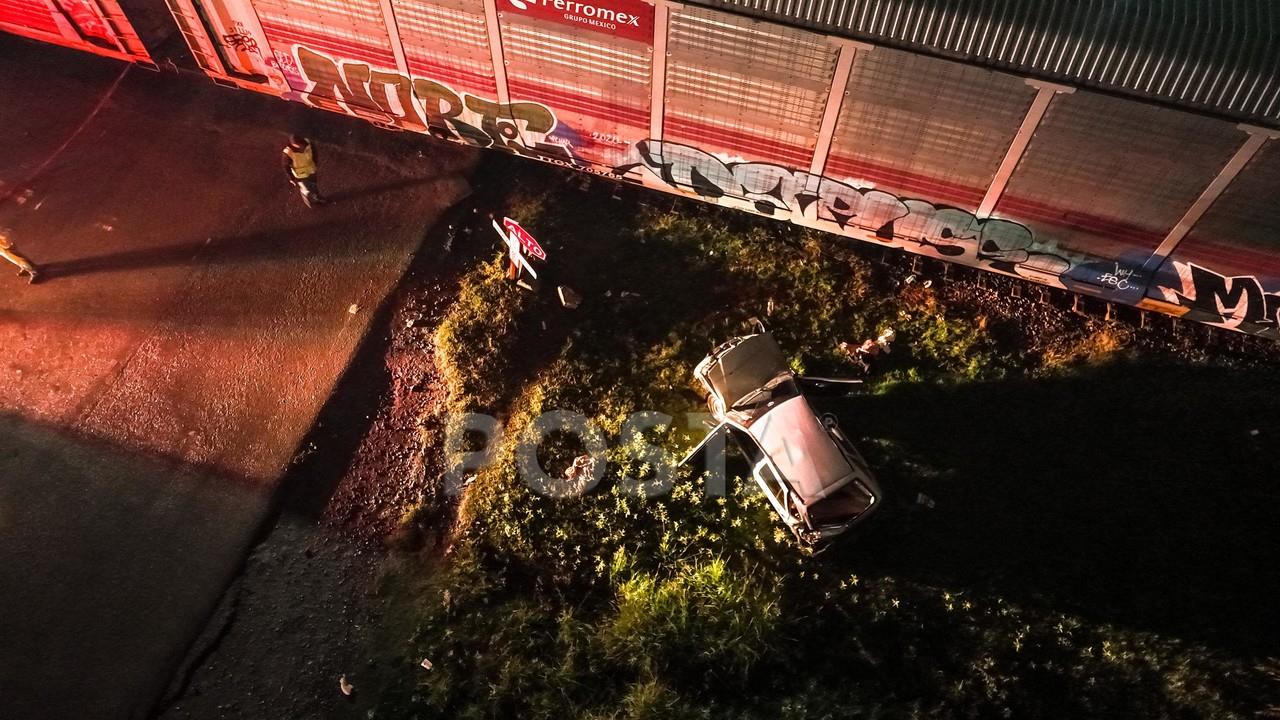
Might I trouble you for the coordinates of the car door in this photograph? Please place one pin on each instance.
(774, 489)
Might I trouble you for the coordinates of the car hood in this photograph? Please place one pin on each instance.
(744, 368)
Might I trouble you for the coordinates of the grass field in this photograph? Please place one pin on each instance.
(1103, 544)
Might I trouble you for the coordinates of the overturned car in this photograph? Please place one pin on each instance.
(805, 465)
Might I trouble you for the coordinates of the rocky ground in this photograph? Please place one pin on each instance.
(294, 623)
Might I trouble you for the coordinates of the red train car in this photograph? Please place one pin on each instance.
(99, 26)
(1125, 153)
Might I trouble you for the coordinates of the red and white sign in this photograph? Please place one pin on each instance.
(630, 19)
(530, 245)
(516, 250)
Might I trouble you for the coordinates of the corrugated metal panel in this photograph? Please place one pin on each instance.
(1109, 177)
(447, 41)
(596, 83)
(349, 30)
(1221, 56)
(921, 127)
(1240, 234)
(28, 15)
(98, 26)
(746, 88)
(1226, 270)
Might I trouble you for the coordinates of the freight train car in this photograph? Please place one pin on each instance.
(99, 26)
(1128, 151)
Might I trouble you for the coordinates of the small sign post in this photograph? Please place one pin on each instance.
(516, 247)
(526, 240)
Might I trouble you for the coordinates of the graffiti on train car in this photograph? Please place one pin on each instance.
(1238, 302)
(384, 96)
(241, 40)
(951, 233)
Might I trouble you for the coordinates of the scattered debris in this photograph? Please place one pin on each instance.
(568, 297)
(583, 467)
(426, 664)
(925, 500)
(623, 294)
(347, 688)
(866, 353)
(1254, 432)
(355, 308)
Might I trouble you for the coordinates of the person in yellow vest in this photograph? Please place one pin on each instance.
(10, 253)
(300, 164)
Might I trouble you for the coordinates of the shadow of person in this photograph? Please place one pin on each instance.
(310, 240)
(370, 190)
(1133, 494)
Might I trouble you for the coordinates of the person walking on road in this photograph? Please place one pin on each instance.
(10, 253)
(300, 164)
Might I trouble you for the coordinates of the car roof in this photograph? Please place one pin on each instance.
(745, 367)
(802, 449)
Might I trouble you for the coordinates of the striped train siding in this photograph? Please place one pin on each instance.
(1221, 56)
(98, 26)
(923, 113)
(30, 15)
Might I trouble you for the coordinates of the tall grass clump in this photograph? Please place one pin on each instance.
(704, 621)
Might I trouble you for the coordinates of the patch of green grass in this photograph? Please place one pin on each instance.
(615, 605)
(705, 621)
(475, 338)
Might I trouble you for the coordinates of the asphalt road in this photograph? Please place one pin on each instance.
(194, 317)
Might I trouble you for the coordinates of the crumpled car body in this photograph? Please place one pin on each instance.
(808, 469)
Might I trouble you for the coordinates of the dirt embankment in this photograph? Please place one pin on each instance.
(297, 619)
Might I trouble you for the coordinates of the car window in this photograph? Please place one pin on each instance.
(749, 447)
(766, 473)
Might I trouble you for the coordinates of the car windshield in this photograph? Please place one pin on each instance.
(841, 506)
(776, 390)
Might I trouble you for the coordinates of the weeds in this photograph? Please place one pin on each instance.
(611, 605)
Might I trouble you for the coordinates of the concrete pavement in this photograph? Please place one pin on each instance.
(193, 318)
